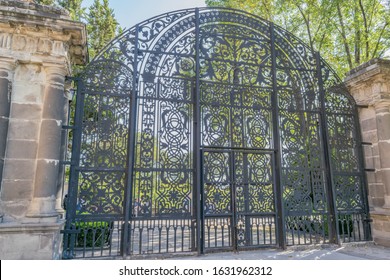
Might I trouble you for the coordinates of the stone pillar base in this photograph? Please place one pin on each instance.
(387, 203)
(381, 227)
(42, 208)
(30, 241)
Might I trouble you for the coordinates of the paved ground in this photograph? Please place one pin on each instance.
(355, 251)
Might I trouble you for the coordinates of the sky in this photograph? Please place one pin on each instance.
(130, 12)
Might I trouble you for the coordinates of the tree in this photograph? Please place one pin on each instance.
(346, 33)
(102, 26)
(74, 8)
(45, 2)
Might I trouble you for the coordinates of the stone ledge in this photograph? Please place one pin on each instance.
(30, 228)
(43, 28)
(30, 241)
(383, 241)
(15, 5)
(380, 212)
(367, 70)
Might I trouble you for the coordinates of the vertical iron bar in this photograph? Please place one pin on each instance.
(75, 161)
(131, 151)
(197, 136)
(333, 225)
(281, 232)
(233, 197)
(201, 241)
(245, 184)
(76, 149)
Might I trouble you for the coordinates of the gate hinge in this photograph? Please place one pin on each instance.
(68, 127)
(370, 169)
(70, 231)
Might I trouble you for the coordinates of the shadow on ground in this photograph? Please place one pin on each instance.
(354, 251)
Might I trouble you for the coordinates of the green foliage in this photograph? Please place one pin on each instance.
(46, 2)
(347, 33)
(93, 233)
(102, 26)
(74, 8)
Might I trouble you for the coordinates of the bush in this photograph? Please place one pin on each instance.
(93, 233)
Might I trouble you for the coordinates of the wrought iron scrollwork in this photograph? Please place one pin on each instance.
(241, 137)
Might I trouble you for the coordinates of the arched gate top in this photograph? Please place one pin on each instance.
(166, 45)
(206, 129)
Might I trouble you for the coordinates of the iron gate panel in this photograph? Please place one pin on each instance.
(204, 129)
(239, 199)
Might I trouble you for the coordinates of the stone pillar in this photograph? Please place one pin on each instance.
(49, 145)
(383, 132)
(38, 46)
(370, 86)
(6, 76)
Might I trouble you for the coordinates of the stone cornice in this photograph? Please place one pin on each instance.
(41, 30)
(368, 71)
(16, 5)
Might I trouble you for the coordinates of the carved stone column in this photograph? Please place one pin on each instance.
(22, 140)
(49, 145)
(370, 86)
(38, 46)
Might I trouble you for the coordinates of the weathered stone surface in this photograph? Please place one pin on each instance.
(46, 178)
(19, 169)
(14, 210)
(23, 129)
(30, 241)
(41, 209)
(50, 140)
(376, 190)
(26, 111)
(28, 93)
(22, 149)
(383, 121)
(54, 104)
(370, 85)
(38, 46)
(368, 124)
(384, 148)
(13, 190)
(370, 136)
(377, 202)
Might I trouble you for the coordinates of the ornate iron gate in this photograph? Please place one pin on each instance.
(209, 129)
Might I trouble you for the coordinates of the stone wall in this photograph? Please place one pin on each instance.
(370, 86)
(38, 46)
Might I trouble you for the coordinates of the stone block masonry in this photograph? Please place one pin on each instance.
(38, 46)
(369, 84)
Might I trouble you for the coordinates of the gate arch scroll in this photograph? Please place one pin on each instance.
(212, 129)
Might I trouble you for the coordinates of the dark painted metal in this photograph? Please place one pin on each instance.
(69, 236)
(366, 143)
(131, 148)
(197, 148)
(281, 231)
(209, 129)
(333, 219)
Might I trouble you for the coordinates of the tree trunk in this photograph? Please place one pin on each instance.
(344, 36)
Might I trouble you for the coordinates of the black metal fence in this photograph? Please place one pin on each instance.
(209, 129)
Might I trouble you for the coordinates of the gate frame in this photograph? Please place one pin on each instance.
(199, 150)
